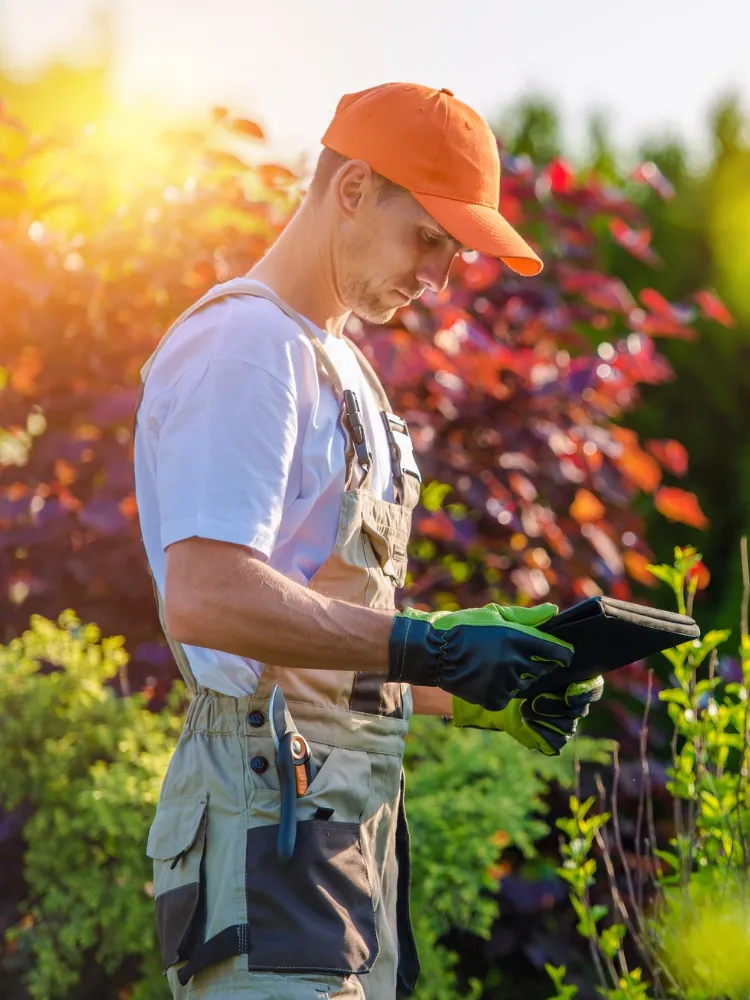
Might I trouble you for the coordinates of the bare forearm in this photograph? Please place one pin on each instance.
(431, 701)
(256, 612)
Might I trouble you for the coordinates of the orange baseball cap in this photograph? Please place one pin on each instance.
(443, 153)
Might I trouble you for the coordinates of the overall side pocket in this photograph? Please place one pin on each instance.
(176, 845)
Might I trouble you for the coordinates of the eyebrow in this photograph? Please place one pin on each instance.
(446, 235)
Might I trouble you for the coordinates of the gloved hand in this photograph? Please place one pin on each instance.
(544, 723)
(485, 656)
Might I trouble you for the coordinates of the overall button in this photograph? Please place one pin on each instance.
(256, 719)
(259, 764)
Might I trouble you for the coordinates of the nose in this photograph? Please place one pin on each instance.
(434, 275)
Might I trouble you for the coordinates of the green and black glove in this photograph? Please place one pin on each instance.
(544, 723)
(485, 656)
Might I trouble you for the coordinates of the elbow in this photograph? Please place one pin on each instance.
(180, 625)
(181, 621)
(183, 581)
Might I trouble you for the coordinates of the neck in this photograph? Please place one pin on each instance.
(299, 268)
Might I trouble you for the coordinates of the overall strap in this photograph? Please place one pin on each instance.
(245, 286)
(326, 367)
(406, 486)
(372, 378)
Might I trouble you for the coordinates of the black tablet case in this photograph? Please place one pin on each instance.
(607, 634)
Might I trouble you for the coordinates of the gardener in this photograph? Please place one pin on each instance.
(275, 488)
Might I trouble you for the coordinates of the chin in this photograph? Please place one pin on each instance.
(375, 314)
(377, 310)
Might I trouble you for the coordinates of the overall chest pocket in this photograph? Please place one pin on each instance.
(176, 845)
(389, 548)
(314, 913)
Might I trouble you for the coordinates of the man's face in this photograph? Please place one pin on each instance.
(390, 251)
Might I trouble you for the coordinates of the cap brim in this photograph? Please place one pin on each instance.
(482, 229)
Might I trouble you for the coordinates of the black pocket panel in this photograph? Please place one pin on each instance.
(179, 922)
(314, 913)
(176, 843)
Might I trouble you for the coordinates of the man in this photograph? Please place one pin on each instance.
(275, 487)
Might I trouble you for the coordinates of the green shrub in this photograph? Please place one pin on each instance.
(90, 765)
(470, 794)
(694, 939)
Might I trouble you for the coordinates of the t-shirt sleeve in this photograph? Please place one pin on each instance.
(224, 450)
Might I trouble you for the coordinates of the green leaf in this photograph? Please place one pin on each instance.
(433, 495)
(668, 858)
(709, 642)
(675, 696)
(598, 912)
(610, 940)
(673, 656)
(667, 574)
(557, 975)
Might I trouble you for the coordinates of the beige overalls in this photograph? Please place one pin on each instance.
(233, 920)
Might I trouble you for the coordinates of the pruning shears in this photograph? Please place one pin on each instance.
(294, 765)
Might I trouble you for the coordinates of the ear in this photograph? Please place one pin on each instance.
(352, 183)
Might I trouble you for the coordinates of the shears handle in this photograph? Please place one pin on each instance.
(296, 769)
(304, 765)
(288, 786)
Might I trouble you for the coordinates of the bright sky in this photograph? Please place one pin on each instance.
(651, 65)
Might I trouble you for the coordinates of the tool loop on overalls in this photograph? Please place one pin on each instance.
(357, 428)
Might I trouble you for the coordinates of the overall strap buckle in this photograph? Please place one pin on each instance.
(400, 447)
(357, 428)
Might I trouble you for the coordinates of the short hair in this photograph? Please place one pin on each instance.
(330, 161)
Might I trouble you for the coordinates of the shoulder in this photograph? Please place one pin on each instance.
(255, 330)
(237, 328)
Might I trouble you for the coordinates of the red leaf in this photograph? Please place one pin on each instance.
(699, 575)
(679, 505)
(586, 507)
(274, 175)
(512, 209)
(713, 308)
(437, 526)
(660, 326)
(559, 177)
(128, 507)
(522, 486)
(658, 305)
(664, 319)
(635, 241)
(28, 366)
(222, 158)
(246, 127)
(672, 455)
(480, 274)
(636, 564)
(598, 290)
(649, 173)
(639, 467)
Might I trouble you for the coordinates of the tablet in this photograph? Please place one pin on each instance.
(606, 634)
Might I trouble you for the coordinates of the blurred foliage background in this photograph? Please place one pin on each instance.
(579, 427)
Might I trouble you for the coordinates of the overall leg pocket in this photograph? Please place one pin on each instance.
(314, 913)
(176, 844)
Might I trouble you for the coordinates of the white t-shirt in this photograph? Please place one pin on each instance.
(238, 439)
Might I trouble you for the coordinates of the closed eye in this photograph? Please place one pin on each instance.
(431, 239)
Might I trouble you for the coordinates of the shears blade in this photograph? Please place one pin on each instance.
(280, 720)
